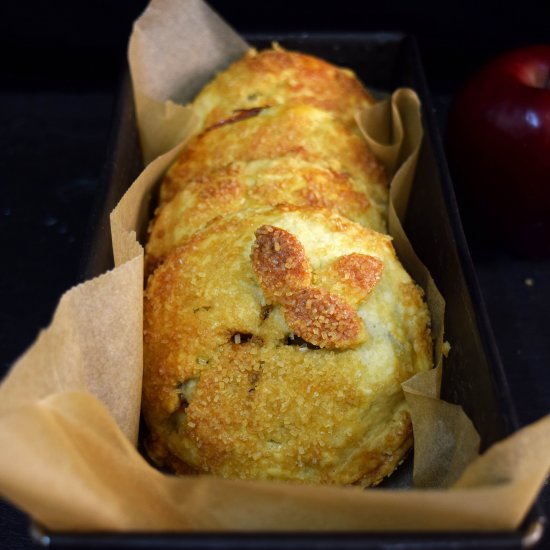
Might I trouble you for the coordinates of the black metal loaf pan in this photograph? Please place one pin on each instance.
(473, 374)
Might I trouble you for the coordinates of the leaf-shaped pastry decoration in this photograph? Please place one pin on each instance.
(324, 319)
(352, 276)
(280, 263)
(327, 319)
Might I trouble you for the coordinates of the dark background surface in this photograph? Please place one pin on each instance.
(59, 73)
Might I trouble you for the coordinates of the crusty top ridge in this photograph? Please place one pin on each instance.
(301, 131)
(278, 322)
(277, 76)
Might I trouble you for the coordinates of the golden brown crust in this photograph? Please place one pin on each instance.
(300, 131)
(279, 262)
(353, 276)
(231, 390)
(359, 270)
(323, 319)
(276, 76)
(315, 315)
(277, 332)
(323, 162)
(254, 184)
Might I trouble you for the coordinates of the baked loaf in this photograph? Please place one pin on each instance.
(279, 323)
(275, 345)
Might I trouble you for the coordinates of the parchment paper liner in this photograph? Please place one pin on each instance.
(69, 408)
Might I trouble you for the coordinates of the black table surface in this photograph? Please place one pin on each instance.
(58, 88)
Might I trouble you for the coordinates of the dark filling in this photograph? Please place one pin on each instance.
(241, 337)
(265, 311)
(295, 340)
(255, 378)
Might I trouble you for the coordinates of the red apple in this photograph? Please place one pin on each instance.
(499, 147)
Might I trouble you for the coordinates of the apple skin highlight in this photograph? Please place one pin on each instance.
(499, 147)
